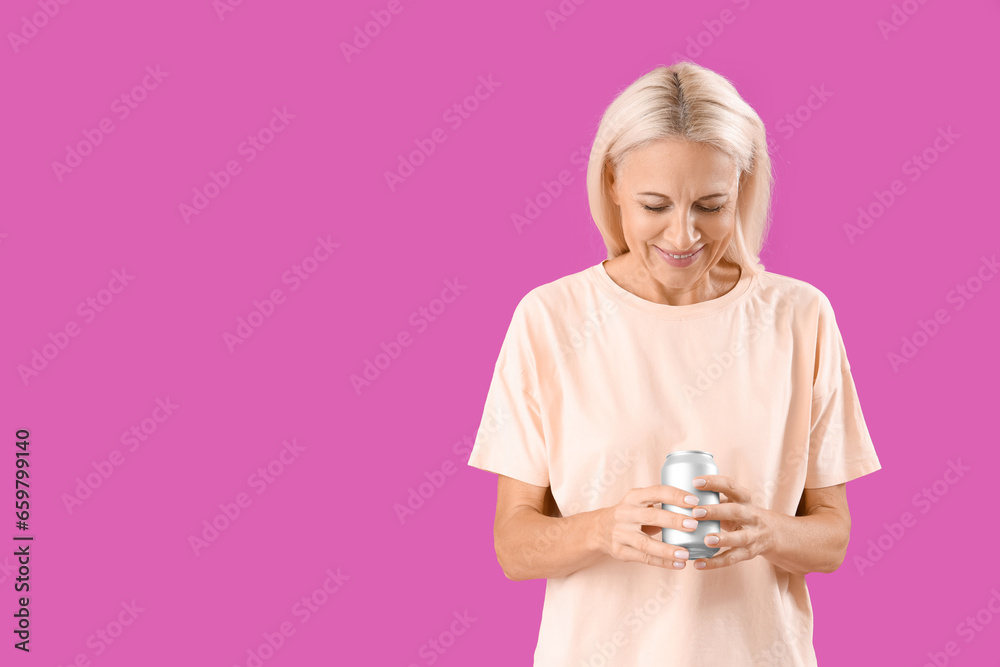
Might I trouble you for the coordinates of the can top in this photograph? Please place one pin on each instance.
(690, 451)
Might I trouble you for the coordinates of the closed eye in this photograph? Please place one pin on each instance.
(707, 210)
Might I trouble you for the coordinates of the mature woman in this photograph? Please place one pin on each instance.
(679, 340)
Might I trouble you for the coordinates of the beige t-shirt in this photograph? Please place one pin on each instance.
(594, 386)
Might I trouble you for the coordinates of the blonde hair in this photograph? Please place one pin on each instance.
(689, 102)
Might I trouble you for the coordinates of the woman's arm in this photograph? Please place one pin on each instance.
(816, 538)
(532, 541)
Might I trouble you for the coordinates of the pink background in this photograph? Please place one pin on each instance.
(334, 505)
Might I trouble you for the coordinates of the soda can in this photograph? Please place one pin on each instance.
(678, 470)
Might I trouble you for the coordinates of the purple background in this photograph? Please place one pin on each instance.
(322, 175)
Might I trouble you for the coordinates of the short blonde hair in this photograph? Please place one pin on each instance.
(689, 102)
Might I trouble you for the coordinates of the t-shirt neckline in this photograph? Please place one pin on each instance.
(661, 310)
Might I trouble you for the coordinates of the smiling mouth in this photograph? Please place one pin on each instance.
(690, 254)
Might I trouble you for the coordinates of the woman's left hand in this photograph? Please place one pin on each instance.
(746, 531)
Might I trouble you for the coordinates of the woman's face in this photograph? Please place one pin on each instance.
(678, 197)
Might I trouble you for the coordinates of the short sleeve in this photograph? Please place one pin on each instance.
(510, 440)
(840, 447)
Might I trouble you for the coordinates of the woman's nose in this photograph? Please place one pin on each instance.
(681, 232)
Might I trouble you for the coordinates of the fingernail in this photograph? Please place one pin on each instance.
(680, 554)
(690, 523)
(699, 512)
(678, 564)
(699, 482)
(691, 500)
(700, 566)
(711, 540)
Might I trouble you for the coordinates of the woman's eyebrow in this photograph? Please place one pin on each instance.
(657, 194)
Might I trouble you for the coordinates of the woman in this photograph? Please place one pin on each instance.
(679, 340)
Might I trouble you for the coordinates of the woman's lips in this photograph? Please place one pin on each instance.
(687, 261)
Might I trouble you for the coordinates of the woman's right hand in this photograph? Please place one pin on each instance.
(625, 531)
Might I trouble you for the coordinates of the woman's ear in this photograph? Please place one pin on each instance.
(612, 185)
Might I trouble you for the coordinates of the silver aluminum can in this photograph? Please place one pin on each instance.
(678, 470)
